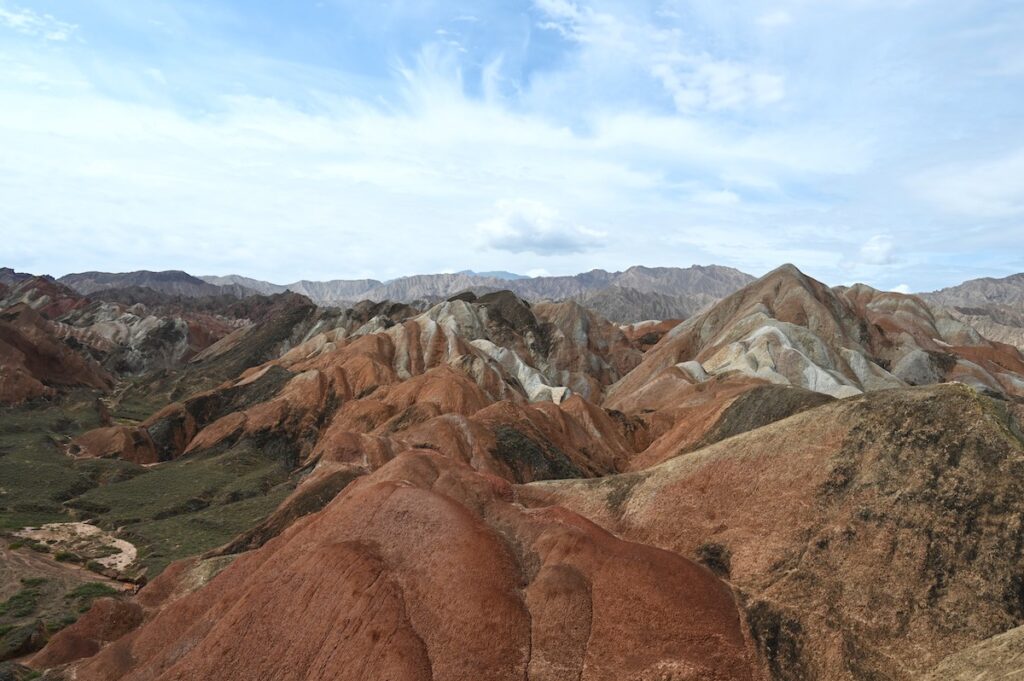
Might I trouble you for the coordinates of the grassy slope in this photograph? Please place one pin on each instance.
(170, 511)
(36, 477)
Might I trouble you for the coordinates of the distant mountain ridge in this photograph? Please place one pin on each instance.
(628, 305)
(995, 307)
(173, 282)
(636, 294)
(263, 287)
(495, 274)
(985, 291)
(621, 296)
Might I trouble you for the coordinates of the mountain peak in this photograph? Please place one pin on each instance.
(786, 269)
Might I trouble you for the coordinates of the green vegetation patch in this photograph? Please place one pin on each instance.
(22, 604)
(169, 511)
(163, 541)
(81, 597)
(193, 504)
(42, 607)
(36, 476)
(185, 486)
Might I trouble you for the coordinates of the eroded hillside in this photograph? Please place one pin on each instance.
(799, 482)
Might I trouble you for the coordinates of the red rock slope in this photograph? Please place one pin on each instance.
(869, 537)
(427, 570)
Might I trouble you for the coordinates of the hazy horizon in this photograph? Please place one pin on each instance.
(899, 289)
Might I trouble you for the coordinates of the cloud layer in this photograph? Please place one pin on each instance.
(551, 135)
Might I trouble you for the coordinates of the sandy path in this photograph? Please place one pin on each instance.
(84, 540)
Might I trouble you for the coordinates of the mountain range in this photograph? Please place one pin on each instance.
(637, 294)
(993, 306)
(712, 280)
(634, 295)
(794, 482)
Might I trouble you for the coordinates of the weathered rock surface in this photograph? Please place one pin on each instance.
(381, 379)
(1001, 323)
(543, 594)
(489, 487)
(981, 292)
(869, 537)
(787, 328)
(995, 307)
(35, 362)
(995, 659)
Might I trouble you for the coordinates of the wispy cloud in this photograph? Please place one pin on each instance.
(29, 22)
(694, 79)
(699, 83)
(362, 176)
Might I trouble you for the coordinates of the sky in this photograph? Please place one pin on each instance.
(862, 140)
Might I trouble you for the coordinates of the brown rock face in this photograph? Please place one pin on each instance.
(107, 620)
(870, 537)
(716, 410)
(645, 335)
(998, 658)
(126, 442)
(44, 295)
(34, 361)
(511, 593)
(787, 328)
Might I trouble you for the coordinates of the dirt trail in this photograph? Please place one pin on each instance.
(24, 563)
(85, 540)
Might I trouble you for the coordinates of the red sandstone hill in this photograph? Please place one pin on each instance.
(34, 362)
(450, 580)
(867, 538)
(44, 318)
(801, 482)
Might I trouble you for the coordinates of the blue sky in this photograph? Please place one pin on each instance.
(862, 140)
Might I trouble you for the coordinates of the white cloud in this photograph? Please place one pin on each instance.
(902, 288)
(878, 250)
(704, 83)
(765, 154)
(525, 226)
(637, 132)
(582, 23)
(362, 176)
(559, 10)
(32, 23)
(694, 79)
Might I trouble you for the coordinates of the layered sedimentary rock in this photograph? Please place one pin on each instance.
(800, 482)
(868, 538)
(451, 580)
(787, 328)
(35, 362)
